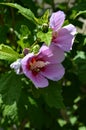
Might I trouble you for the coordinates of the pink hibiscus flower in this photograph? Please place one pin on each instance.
(43, 66)
(63, 37)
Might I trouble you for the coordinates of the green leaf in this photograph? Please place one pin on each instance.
(27, 13)
(81, 6)
(52, 95)
(80, 12)
(23, 35)
(7, 53)
(80, 54)
(45, 37)
(44, 18)
(10, 87)
(10, 111)
(24, 31)
(80, 61)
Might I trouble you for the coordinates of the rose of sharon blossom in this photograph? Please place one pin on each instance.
(43, 66)
(62, 37)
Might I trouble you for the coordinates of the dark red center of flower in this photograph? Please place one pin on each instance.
(54, 36)
(37, 65)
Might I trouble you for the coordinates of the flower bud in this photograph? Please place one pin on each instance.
(45, 28)
(36, 48)
(26, 51)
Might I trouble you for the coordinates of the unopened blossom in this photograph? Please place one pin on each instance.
(26, 51)
(62, 37)
(44, 65)
(17, 66)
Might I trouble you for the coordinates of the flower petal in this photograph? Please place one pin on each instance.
(58, 54)
(51, 54)
(65, 38)
(45, 51)
(54, 72)
(17, 66)
(56, 20)
(27, 58)
(71, 28)
(38, 79)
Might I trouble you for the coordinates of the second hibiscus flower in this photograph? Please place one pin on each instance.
(62, 37)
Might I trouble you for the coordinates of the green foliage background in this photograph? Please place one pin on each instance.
(60, 106)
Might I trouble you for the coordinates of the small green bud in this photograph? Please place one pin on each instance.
(36, 48)
(45, 28)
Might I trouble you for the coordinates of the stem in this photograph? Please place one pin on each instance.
(53, 5)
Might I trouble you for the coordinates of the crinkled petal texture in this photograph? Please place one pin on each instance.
(65, 37)
(49, 69)
(56, 20)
